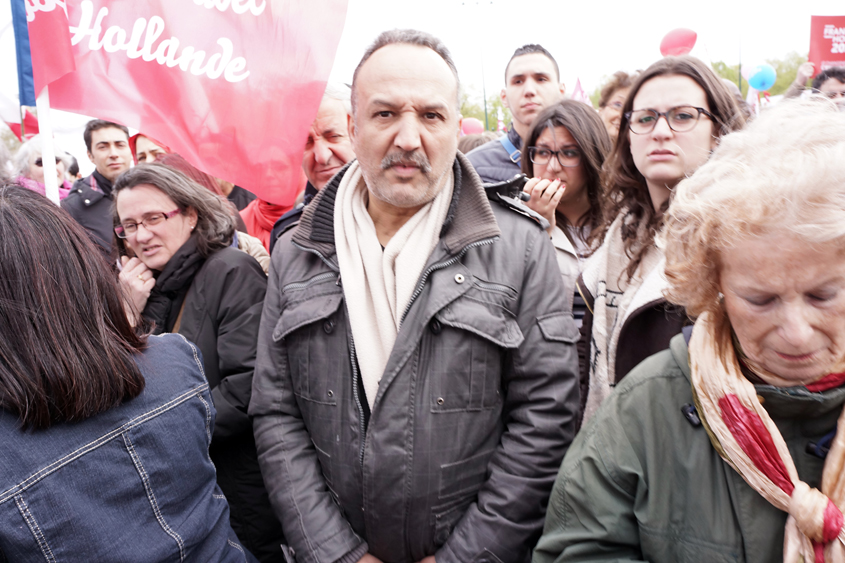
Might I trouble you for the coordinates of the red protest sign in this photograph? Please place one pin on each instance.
(827, 42)
(51, 28)
(232, 85)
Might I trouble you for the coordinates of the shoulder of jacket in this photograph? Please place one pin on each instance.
(516, 208)
(487, 150)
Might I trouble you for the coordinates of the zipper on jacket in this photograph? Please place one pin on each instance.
(497, 287)
(440, 266)
(357, 396)
(352, 358)
(302, 285)
(334, 268)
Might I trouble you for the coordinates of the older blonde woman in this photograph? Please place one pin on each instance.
(724, 447)
(29, 168)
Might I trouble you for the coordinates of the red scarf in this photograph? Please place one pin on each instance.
(260, 216)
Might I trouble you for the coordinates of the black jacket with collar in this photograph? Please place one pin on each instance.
(474, 412)
(492, 161)
(90, 203)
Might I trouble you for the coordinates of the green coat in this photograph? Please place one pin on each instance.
(640, 482)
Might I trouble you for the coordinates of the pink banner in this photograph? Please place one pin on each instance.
(50, 30)
(231, 85)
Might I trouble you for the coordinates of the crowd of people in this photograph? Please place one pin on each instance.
(612, 334)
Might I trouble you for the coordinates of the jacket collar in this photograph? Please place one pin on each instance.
(514, 137)
(93, 188)
(470, 217)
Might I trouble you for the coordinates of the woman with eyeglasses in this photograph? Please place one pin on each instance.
(181, 274)
(29, 167)
(672, 119)
(730, 444)
(566, 149)
(611, 100)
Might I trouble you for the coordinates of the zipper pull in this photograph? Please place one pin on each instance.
(337, 283)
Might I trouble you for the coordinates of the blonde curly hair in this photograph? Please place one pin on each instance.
(784, 173)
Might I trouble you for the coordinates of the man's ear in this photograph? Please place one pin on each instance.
(460, 125)
(562, 88)
(504, 95)
(350, 126)
(90, 157)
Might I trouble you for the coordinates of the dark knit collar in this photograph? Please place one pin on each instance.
(103, 183)
(470, 217)
(171, 286)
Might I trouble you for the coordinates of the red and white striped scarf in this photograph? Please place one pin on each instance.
(745, 436)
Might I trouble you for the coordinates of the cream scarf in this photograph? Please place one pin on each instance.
(745, 436)
(377, 285)
(615, 298)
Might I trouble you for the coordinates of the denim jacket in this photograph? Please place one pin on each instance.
(134, 483)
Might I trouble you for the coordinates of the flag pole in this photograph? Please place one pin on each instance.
(48, 152)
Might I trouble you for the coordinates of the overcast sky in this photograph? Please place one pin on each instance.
(591, 39)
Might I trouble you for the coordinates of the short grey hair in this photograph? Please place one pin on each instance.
(35, 146)
(215, 223)
(341, 93)
(409, 37)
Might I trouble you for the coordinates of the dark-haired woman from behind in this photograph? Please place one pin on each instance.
(104, 455)
(566, 149)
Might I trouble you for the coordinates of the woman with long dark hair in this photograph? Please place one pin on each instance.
(104, 455)
(566, 149)
(672, 119)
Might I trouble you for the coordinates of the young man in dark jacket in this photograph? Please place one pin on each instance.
(415, 386)
(89, 202)
(532, 83)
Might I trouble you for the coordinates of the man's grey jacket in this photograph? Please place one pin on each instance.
(474, 412)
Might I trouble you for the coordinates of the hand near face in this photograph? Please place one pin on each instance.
(137, 282)
(429, 559)
(369, 559)
(545, 196)
(805, 72)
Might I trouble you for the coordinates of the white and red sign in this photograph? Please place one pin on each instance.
(232, 85)
(827, 42)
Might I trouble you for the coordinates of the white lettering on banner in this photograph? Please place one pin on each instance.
(238, 6)
(190, 60)
(33, 6)
(830, 31)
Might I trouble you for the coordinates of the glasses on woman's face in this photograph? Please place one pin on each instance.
(680, 119)
(568, 157)
(39, 162)
(125, 230)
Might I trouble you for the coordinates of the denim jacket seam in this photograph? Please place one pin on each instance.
(236, 546)
(207, 416)
(139, 467)
(102, 440)
(196, 356)
(35, 529)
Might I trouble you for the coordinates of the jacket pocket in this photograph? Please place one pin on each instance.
(559, 327)
(314, 330)
(469, 341)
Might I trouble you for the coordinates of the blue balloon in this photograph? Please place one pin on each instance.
(762, 77)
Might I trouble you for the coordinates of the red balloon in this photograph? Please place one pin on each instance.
(678, 42)
(471, 126)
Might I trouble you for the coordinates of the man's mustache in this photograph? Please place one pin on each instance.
(412, 158)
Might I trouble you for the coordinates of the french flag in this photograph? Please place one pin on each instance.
(26, 85)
